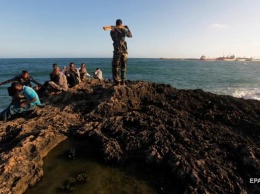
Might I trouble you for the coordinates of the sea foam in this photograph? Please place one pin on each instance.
(247, 93)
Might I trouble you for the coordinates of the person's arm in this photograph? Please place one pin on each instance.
(112, 34)
(51, 77)
(10, 80)
(128, 32)
(74, 71)
(30, 95)
(34, 81)
(77, 70)
(55, 86)
(63, 83)
(23, 104)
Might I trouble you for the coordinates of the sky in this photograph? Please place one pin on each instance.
(160, 28)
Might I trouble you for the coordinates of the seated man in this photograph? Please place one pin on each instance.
(58, 81)
(72, 75)
(98, 74)
(83, 72)
(43, 88)
(28, 104)
(52, 76)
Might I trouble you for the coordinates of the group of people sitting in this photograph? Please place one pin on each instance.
(25, 98)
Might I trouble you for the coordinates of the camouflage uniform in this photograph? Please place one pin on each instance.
(120, 53)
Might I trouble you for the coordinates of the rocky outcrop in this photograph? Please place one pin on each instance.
(202, 142)
(25, 141)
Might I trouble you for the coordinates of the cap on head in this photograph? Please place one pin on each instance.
(119, 22)
(54, 65)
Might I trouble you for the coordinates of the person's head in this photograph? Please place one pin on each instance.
(97, 69)
(17, 86)
(54, 65)
(119, 22)
(72, 65)
(82, 65)
(25, 74)
(56, 71)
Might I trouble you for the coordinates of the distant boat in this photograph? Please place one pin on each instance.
(227, 58)
(253, 59)
(242, 59)
(204, 58)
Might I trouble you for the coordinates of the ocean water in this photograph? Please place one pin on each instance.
(238, 79)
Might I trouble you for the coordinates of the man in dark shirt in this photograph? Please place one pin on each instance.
(72, 75)
(24, 79)
(120, 55)
(53, 78)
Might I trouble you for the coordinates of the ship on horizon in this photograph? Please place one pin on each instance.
(230, 58)
(227, 58)
(224, 58)
(204, 58)
(252, 59)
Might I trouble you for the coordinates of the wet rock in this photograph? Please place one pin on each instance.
(72, 182)
(70, 154)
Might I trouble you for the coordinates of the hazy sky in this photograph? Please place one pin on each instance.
(161, 28)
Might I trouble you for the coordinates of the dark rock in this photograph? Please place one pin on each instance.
(206, 142)
(70, 154)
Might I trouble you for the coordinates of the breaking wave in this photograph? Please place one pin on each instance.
(247, 94)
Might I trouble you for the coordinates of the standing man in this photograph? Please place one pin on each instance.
(28, 104)
(120, 55)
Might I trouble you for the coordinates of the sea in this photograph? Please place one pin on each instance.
(234, 78)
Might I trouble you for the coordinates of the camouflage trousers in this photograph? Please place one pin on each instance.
(119, 62)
